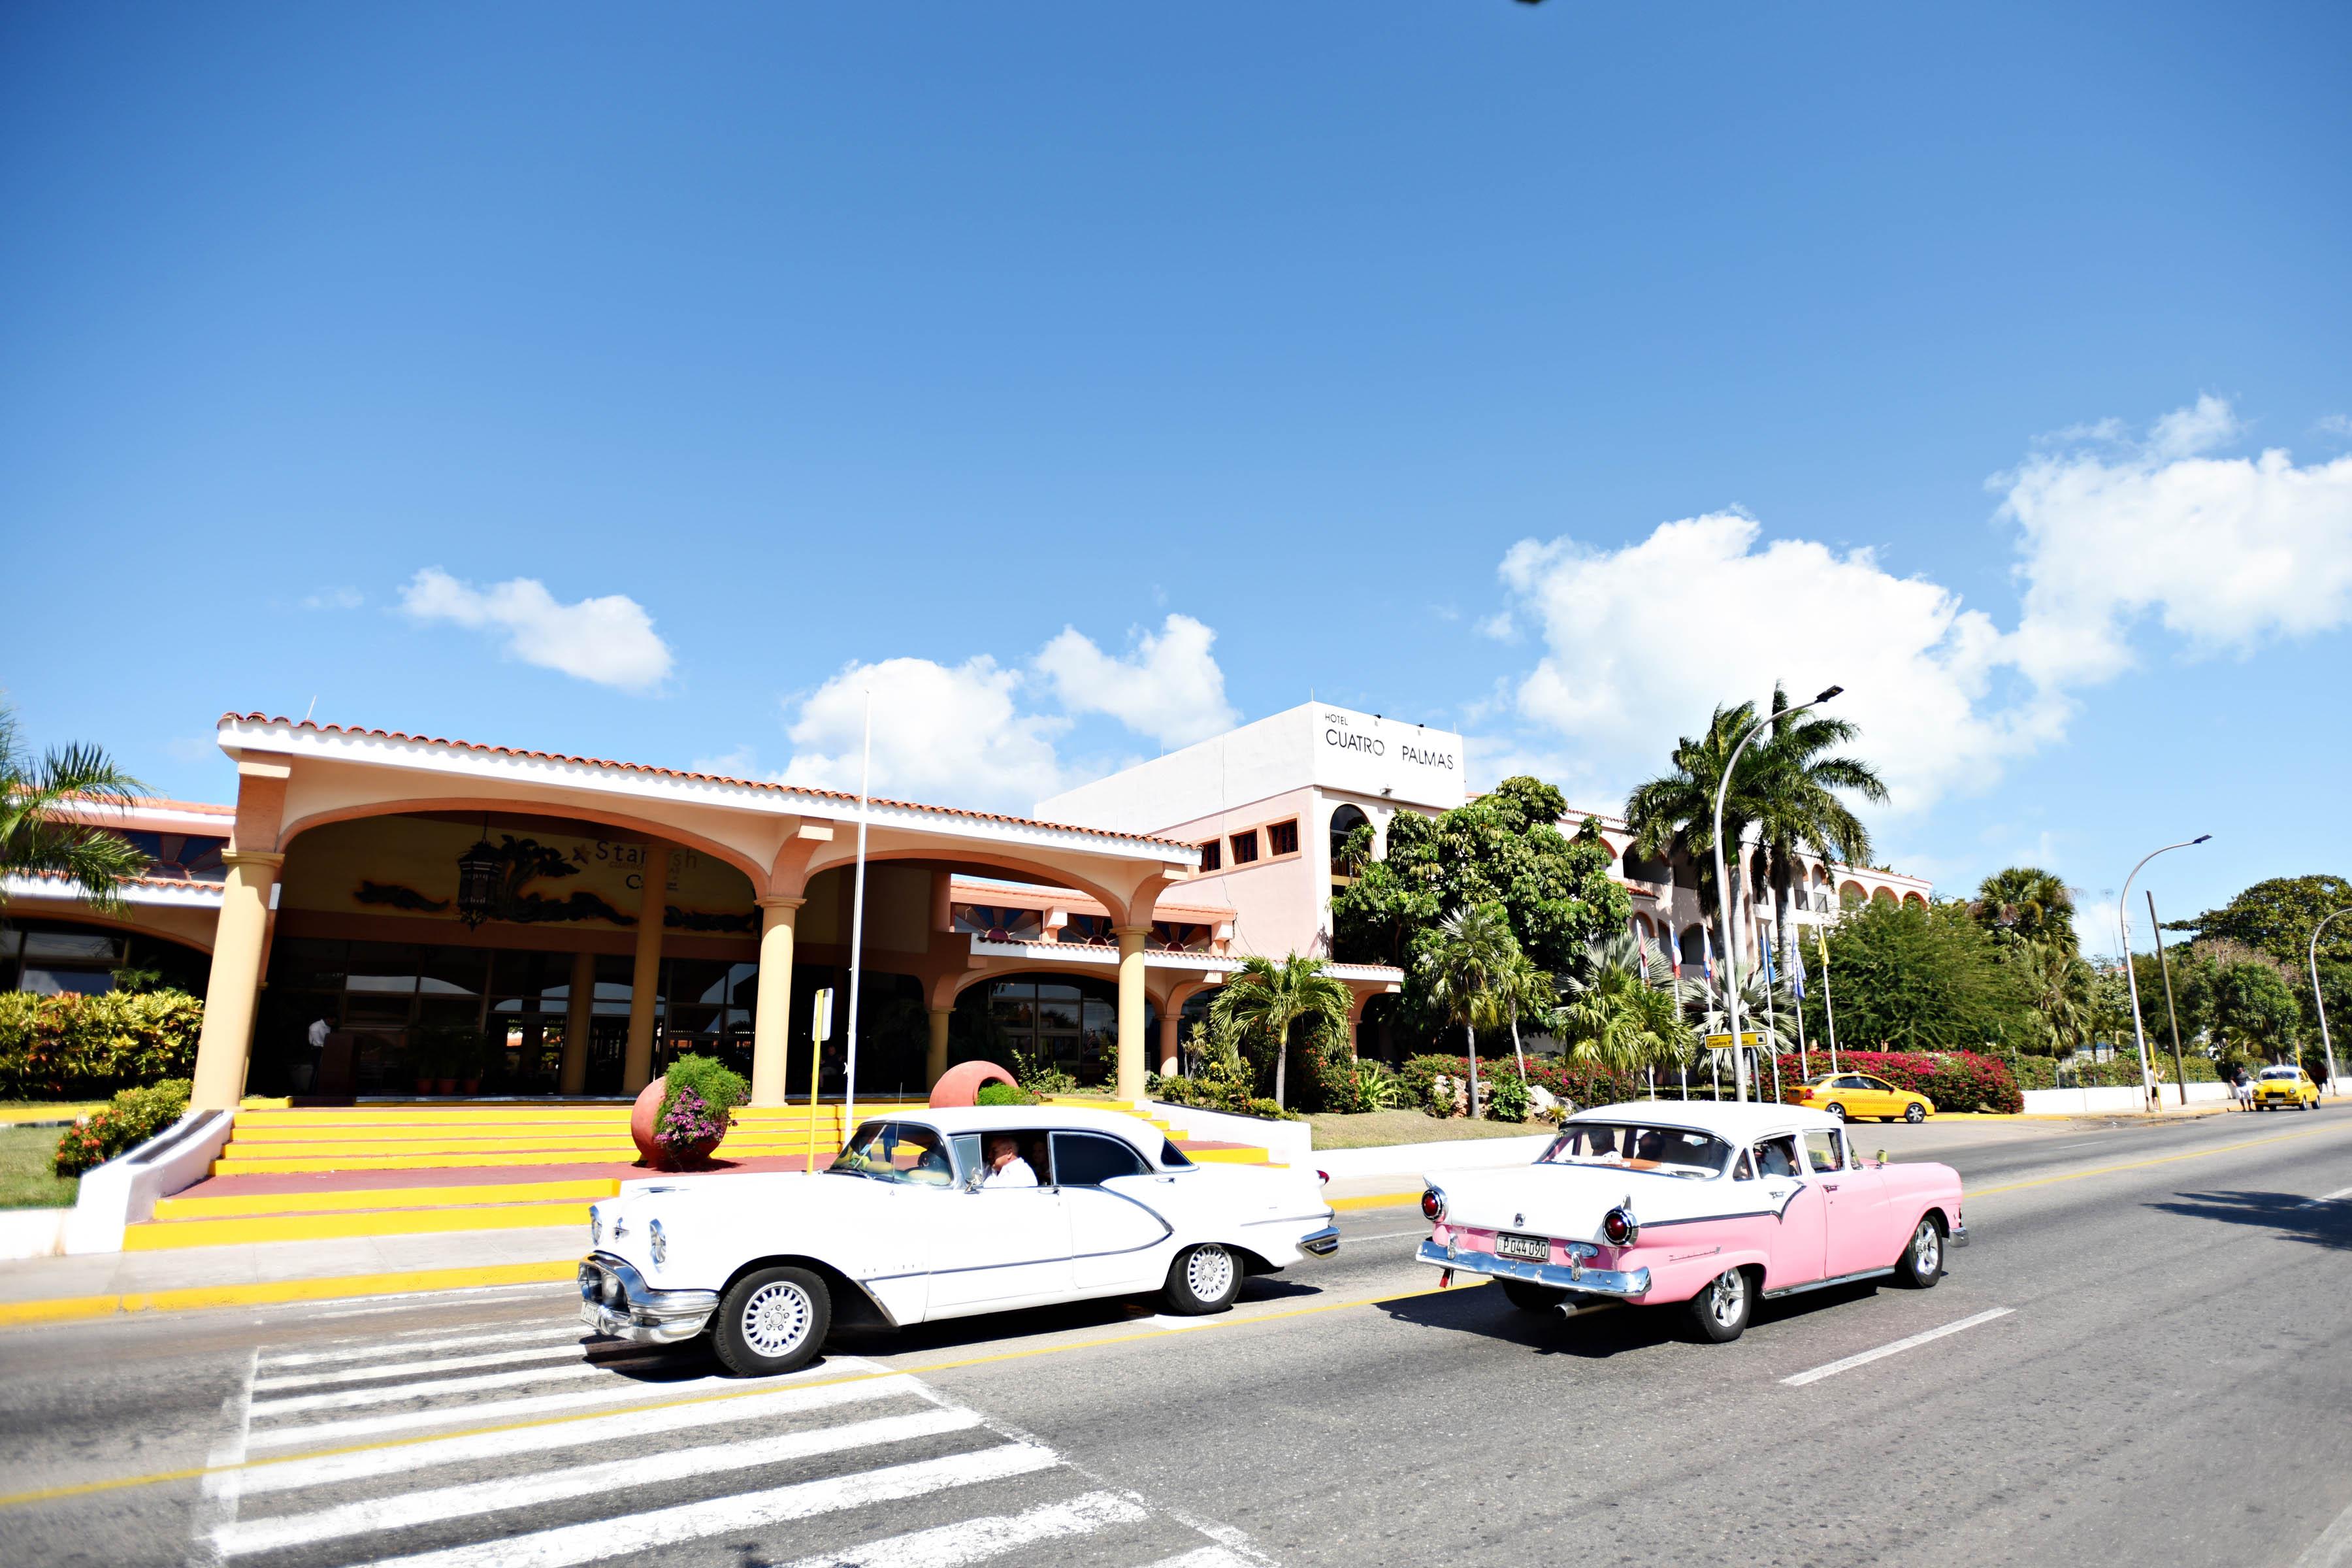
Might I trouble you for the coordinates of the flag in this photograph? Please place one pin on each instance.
(1797, 970)
(1674, 954)
(1707, 954)
(1771, 972)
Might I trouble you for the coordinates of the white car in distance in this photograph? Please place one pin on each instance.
(910, 1225)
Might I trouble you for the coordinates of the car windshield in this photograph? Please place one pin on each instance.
(896, 1151)
(1668, 1151)
(2288, 1073)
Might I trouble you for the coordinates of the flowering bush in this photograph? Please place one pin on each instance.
(1955, 1080)
(136, 1116)
(83, 1047)
(698, 1100)
(1440, 1085)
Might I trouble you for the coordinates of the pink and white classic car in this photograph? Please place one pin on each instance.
(1715, 1206)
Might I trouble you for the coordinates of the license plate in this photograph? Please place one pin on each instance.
(592, 1315)
(1534, 1248)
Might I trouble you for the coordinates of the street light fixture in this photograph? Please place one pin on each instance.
(2319, 1002)
(2131, 976)
(1723, 888)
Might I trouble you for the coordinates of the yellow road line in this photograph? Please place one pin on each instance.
(119, 1483)
(334, 1288)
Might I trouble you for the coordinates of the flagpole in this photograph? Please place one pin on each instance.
(1771, 1008)
(1797, 977)
(858, 927)
(1829, 1008)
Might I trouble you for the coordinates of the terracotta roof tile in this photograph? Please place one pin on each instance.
(259, 718)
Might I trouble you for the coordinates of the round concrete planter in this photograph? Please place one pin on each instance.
(645, 1116)
(961, 1084)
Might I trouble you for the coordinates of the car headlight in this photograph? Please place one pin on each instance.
(1433, 1204)
(656, 1243)
(595, 1225)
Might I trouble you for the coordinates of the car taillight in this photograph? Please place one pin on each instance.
(1433, 1204)
(1618, 1227)
(1323, 1178)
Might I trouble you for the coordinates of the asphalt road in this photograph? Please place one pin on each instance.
(2153, 1368)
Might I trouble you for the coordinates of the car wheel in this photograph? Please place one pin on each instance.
(1921, 1263)
(1914, 1113)
(1532, 1297)
(1202, 1278)
(1835, 1108)
(771, 1322)
(1720, 1310)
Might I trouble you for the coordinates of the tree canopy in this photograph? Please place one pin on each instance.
(1903, 978)
(2277, 916)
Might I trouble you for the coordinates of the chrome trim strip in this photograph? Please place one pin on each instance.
(1631, 1285)
(1825, 1284)
(645, 1315)
(1321, 1242)
(1959, 1236)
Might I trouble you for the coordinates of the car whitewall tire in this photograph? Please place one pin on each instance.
(771, 1322)
(1203, 1278)
(1835, 1108)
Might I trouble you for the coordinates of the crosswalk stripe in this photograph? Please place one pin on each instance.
(411, 1368)
(977, 1540)
(491, 1411)
(376, 1347)
(1206, 1557)
(327, 1469)
(355, 1398)
(411, 1509)
(604, 1538)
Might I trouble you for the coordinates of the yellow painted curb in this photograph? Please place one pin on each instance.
(258, 1204)
(1376, 1200)
(65, 1308)
(44, 1110)
(174, 1234)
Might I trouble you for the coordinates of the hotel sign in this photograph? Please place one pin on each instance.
(1366, 754)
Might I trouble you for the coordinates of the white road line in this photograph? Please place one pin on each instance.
(2336, 1196)
(1850, 1362)
(217, 1494)
(602, 1538)
(2333, 1548)
(353, 1398)
(1206, 1557)
(488, 1413)
(293, 1475)
(409, 1510)
(377, 1347)
(435, 1363)
(977, 1540)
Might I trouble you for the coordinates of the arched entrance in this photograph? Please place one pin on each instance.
(1063, 1020)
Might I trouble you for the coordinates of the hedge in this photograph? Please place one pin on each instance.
(86, 1047)
(1955, 1081)
(135, 1116)
(1571, 1082)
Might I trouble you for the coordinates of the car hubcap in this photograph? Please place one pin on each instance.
(1837, 1110)
(776, 1319)
(1209, 1273)
(1727, 1292)
(1914, 1114)
(1926, 1248)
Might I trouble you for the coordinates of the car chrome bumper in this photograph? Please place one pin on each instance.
(1629, 1286)
(614, 1299)
(1321, 1242)
(1959, 1237)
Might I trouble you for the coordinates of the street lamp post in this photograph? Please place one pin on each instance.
(2131, 977)
(1723, 889)
(2319, 1002)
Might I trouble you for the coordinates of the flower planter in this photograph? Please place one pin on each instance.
(644, 1119)
(469, 1086)
(424, 1085)
(448, 1086)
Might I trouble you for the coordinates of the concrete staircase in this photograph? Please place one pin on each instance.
(308, 1175)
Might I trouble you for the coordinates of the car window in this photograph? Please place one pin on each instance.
(1669, 1151)
(1878, 1083)
(1089, 1159)
(971, 1153)
(1777, 1156)
(896, 1151)
(1744, 1168)
(1824, 1149)
(1852, 1080)
(1171, 1158)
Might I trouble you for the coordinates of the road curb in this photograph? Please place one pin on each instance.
(67, 1309)
(1376, 1200)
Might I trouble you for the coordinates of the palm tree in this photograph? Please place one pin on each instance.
(1620, 1009)
(1462, 969)
(1675, 811)
(35, 836)
(2026, 905)
(1266, 998)
(1524, 989)
(1709, 1000)
(1795, 802)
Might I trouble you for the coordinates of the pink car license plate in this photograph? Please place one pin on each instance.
(1534, 1248)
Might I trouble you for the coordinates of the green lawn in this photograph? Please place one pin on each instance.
(28, 1177)
(1382, 1129)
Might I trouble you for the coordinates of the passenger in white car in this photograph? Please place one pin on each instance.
(1006, 1168)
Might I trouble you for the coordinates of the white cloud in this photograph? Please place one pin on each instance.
(610, 641)
(333, 599)
(193, 748)
(2339, 424)
(2225, 552)
(1169, 687)
(742, 763)
(952, 736)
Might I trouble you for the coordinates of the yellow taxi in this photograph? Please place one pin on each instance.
(1852, 1095)
(2286, 1088)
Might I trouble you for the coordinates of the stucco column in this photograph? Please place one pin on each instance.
(579, 1020)
(645, 980)
(935, 1060)
(235, 984)
(1170, 1021)
(1130, 1012)
(771, 1017)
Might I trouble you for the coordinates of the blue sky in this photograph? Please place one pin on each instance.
(647, 385)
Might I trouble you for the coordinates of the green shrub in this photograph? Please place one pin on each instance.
(86, 1047)
(1353, 1086)
(1506, 1098)
(718, 1088)
(135, 1116)
(1003, 1094)
(1041, 1078)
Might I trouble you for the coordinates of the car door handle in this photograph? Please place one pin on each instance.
(1829, 1186)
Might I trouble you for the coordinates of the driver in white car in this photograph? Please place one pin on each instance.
(1006, 1168)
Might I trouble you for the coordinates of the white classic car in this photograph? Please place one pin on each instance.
(1657, 1202)
(943, 1214)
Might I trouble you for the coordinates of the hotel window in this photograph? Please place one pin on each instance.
(1244, 848)
(1282, 837)
(1212, 856)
